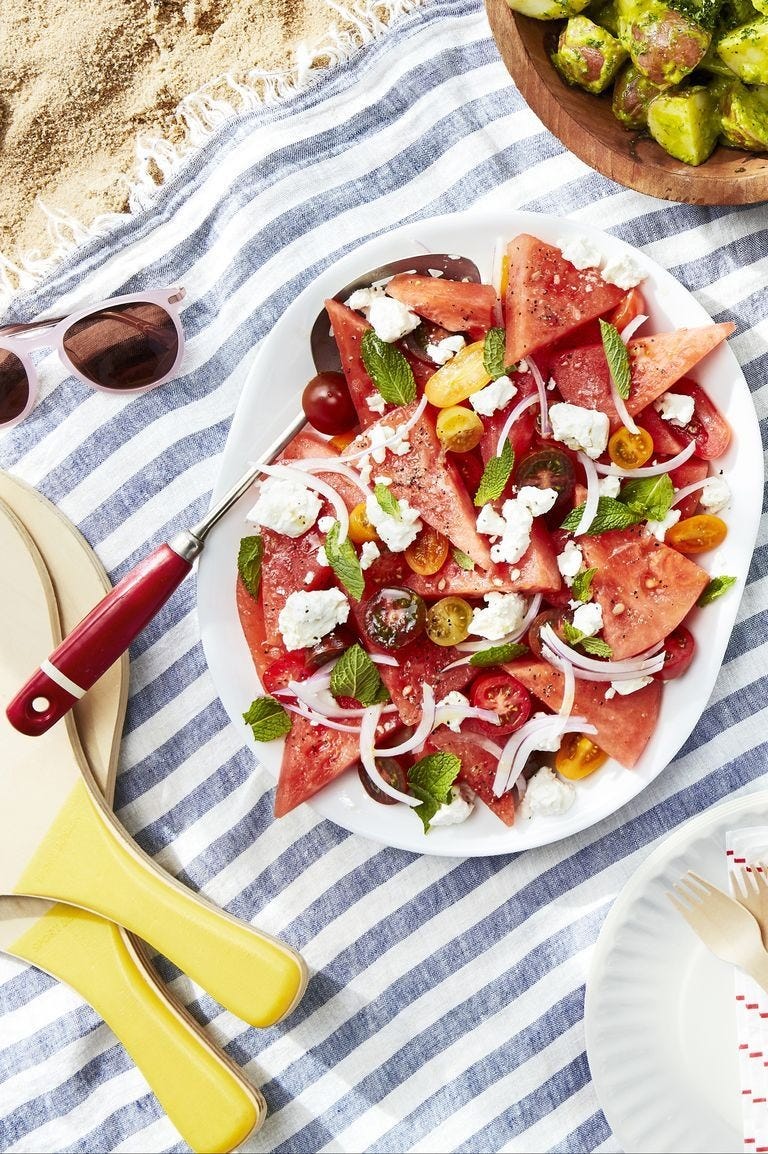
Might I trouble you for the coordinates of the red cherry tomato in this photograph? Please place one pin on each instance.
(679, 649)
(291, 667)
(505, 696)
(632, 306)
(327, 404)
(393, 772)
(553, 617)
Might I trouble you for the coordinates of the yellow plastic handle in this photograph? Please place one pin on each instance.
(85, 861)
(212, 1108)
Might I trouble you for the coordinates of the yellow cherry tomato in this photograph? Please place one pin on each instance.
(630, 450)
(459, 429)
(458, 378)
(428, 553)
(578, 756)
(342, 440)
(360, 528)
(448, 621)
(697, 534)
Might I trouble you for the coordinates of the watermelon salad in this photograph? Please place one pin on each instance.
(466, 580)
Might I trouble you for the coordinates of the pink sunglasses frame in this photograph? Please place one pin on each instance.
(21, 339)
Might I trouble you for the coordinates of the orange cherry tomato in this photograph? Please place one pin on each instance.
(428, 553)
(630, 450)
(697, 534)
(360, 528)
(342, 440)
(578, 756)
(459, 430)
(632, 306)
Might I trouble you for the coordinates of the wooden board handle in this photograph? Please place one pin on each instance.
(86, 860)
(212, 1107)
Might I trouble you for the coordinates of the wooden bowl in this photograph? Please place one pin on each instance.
(587, 127)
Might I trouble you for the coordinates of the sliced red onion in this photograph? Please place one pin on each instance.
(397, 434)
(626, 418)
(520, 407)
(569, 689)
(649, 470)
(489, 746)
(567, 725)
(681, 494)
(384, 659)
(641, 664)
(311, 698)
(460, 713)
(521, 786)
(546, 428)
(318, 719)
(481, 646)
(593, 495)
(630, 329)
(532, 728)
(368, 756)
(311, 482)
(331, 466)
(422, 730)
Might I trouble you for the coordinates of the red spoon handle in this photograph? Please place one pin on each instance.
(97, 642)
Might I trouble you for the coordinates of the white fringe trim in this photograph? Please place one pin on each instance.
(200, 114)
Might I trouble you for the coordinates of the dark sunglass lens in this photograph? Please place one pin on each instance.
(14, 387)
(125, 346)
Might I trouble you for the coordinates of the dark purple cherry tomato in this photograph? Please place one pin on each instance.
(548, 469)
(679, 649)
(393, 772)
(327, 404)
(330, 647)
(426, 334)
(394, 616)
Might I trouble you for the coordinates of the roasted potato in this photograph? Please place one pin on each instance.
(587, 55)
(665, 45)
(632, 93)
(686, 123)
(745, 51)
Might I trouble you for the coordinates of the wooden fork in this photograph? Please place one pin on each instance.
(749, 886)
(724, 925)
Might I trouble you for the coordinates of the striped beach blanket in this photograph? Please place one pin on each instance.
(445, 1011)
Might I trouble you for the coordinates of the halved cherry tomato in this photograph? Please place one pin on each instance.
(428, 553)
(360, 528)
(553, 617)
(393, 617)
(632, 306)
(679, 649)
(459, 430)
(505, 696)
(578, 756)
(548, 468)
(391, 771)
(427, 333)
(707, 427)
(342, 440)
(630, 450)
(697, 534)
(463, 375)
(328, 405)
(330, 647)
(448, 621)
(292, 667)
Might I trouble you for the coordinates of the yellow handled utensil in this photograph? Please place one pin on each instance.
(204, 1094)
(59, 840)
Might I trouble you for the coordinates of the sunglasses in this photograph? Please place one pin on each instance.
(128, 344)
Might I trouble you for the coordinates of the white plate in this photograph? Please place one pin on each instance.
(659, 1015)
(271, 400)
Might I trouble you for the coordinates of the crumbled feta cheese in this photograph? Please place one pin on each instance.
(364, 467)
(494, 396)
(516, 537)
(308, 616)
(459, 703)
(325, 524)
(658, 529)
(445, 349)
(547, 795)
(580, 252)
(362, 299)
(570, 561)
(578, 428)
(536, 501)
(369, 554)
(588, 619)
(376, 403)
(286, 506)
(454, 811)
(674, 407)
(390, 319)
(623, 271)
(378, 438)
(608, 486)
(381, 480)
(504, 613)
(624, 688)
(308, 578)
(397, 533)
(489, 522)
(322, 557)
(715, 494)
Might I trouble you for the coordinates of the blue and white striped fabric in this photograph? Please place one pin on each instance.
(445, 1011)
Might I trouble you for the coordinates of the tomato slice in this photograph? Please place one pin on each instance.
(393, 772)
(630, 450)
(697, 534)
(394, 617)
(632, 306)
(548, 468)
(448, 621)
(428, 553)
(292, 667)
(553, 617)
(679, 649)
(505, 696)
(578, 756)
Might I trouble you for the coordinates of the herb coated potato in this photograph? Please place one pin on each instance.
(588, 55)
(665, 44)
(686, 123)
(745, 51)
(632, 94)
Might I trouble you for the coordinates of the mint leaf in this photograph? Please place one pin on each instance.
(596, 646)
(571, 635)
(497, 654)
(716, 587)
(355, 675)
(611, 514)
(494, 348)
(462, 560)
(388, 369)
(650, 497)
(430, 780)
(345, 563)
(267, 719)
(387, 500)
(497, 473)
(249, 558)
(582, 585)
(617, 357)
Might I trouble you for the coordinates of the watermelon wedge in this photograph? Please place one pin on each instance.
(264, 649)
(656, 585)
(457, 306)
(478, 769)
(348, 329)
(548, 298)
(624, 724)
